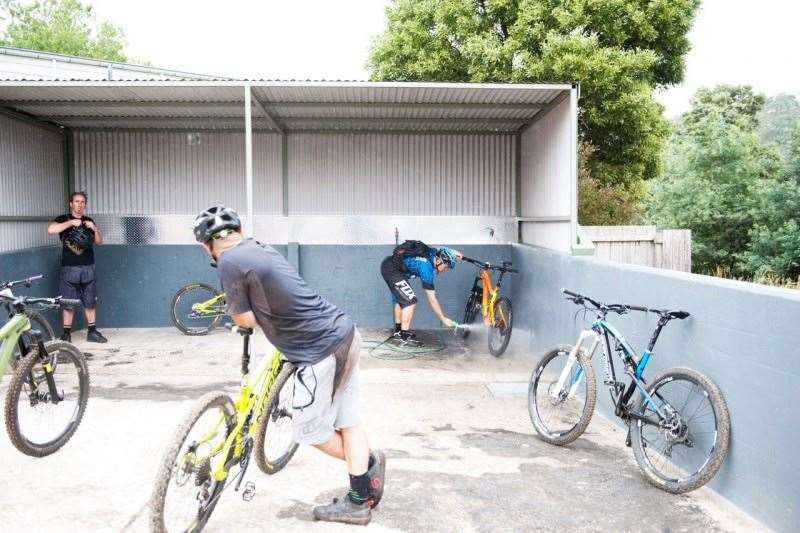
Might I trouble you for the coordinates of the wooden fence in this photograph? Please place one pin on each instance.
(642, 245)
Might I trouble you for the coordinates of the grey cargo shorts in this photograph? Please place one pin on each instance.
(316, 411)
(78, 283)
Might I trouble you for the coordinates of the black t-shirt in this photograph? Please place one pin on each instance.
(72, 255)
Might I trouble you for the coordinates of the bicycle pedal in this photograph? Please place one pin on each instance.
(249, 491)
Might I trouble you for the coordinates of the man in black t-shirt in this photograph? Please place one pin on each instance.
(79, 234)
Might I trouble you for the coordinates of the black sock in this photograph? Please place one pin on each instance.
(396, 327)
(91, 326)
(359, 488)
(68, 329)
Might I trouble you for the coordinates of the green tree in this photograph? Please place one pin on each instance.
(777, 120)
(61, 26)
(619, 50)
(734, 104)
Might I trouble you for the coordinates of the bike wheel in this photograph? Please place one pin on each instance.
(687, 448)
(561, 416)
(191, 322)
(186, 492)
(37, 425)
(500, 332)
(274, 443)
(471, 311)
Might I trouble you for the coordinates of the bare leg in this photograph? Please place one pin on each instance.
(398, 313)
(407, 315)
(66, 317)
(91, 315)
(349, 444)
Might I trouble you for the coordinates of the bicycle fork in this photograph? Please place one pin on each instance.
(571, 361)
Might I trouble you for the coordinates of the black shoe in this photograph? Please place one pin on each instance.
(344, 510)
(66, 336)
(377, 477)
(95, 336)
(406, 338)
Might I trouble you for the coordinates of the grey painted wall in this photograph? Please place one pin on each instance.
(136, 283)
(741, 335)
(30, 262)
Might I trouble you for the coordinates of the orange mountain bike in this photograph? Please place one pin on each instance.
(495, 309)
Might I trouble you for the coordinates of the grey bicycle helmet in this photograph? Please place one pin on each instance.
(82, 237)
(213, 220)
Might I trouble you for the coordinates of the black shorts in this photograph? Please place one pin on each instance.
(401, 290)
(78, 283)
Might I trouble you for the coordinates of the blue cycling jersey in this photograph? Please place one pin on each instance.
(421, 267)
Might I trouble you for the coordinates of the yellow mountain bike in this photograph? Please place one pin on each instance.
(49, 388)
(197, 308)
(496, 310)
(218, 437)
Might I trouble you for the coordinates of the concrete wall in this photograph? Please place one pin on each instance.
(741, 335)
(136, 283)
(25, 263)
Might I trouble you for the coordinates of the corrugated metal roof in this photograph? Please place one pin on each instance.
(294, 106)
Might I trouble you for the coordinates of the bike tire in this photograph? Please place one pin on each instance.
(566, 437)
(165, 470)
(470, 312)
(503, 304)
(68, 357)
(187, 328)
(723, 429)
(276, 465)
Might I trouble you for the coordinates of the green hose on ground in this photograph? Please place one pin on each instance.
(387, 350)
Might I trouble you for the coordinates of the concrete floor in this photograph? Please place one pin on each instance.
(462, 455)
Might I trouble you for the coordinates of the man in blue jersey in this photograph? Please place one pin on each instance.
(414, 259)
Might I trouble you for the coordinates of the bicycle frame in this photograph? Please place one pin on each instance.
(489, 295)
(601, 332)
(249, 407)
(206, 308)
(11, 335)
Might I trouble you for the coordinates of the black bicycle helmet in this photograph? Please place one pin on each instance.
(82, 237)
(213, 220)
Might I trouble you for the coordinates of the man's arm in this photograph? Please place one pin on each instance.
(437, 309)
(98, 237)
(54, 227)
(245, 320)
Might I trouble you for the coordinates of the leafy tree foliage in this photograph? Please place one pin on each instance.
(738, 196)
(61, 26)
(618, 50)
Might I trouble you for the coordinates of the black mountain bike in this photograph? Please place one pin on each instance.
(678, 423)
(485, 299)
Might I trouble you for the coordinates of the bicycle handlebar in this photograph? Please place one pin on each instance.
(27, 282)
(58, 301)
(485, 264)
(238, 329)
(622, 308)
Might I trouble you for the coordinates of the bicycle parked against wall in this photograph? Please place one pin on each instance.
(220, 435)
(197, 308)
(49, 388)
(37, 320)
(484, 298)
(678, 423)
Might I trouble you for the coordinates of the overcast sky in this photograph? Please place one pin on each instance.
(734, 41)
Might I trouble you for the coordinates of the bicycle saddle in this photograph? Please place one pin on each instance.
(678, 314)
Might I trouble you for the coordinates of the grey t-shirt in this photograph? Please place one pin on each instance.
(297, 320)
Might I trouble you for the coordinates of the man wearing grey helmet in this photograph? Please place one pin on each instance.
(263, 289)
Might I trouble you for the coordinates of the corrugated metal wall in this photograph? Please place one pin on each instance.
(401, 174)
(32, 180)
(139, 172)
(547, 158)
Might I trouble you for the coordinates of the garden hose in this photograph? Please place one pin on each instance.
(387, 350)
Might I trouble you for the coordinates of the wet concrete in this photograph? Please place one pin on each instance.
(459, 457)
